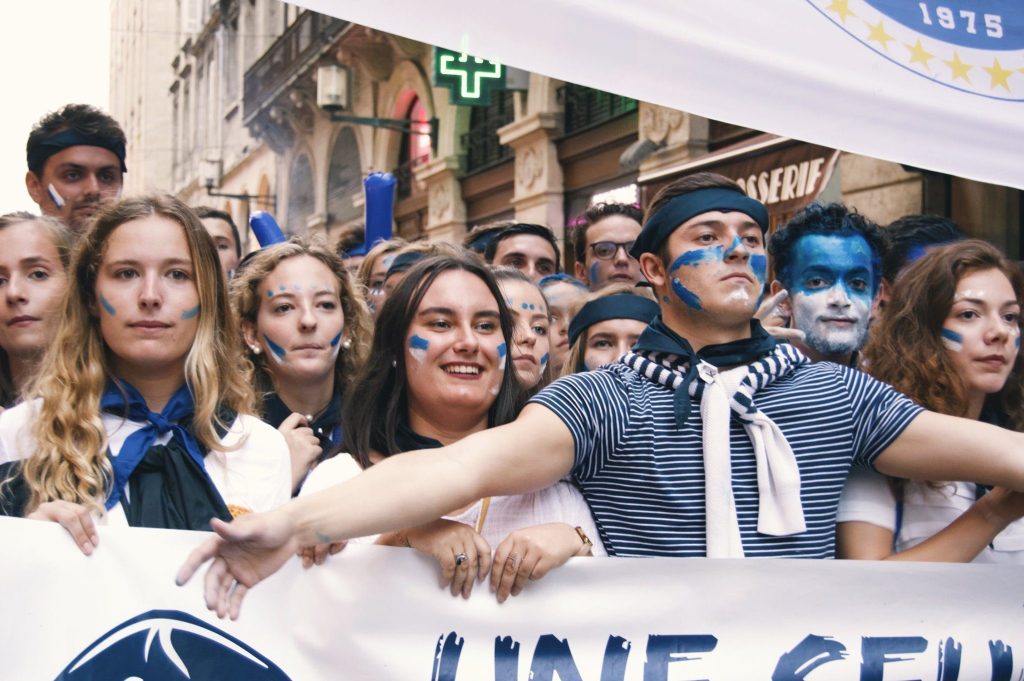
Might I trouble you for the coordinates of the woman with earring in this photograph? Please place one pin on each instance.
(437, 372)
(34, 253)
(949, 338)
(139, 414)
(531, 319)
(306, 332)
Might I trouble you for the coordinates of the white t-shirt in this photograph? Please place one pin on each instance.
(255, 477)
(868, 498)
(560, 503)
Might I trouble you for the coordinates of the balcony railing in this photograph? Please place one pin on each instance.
(483, 149)
(293, 53)
(586, 107)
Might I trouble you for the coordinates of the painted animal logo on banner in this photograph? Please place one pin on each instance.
(168, 645)
(974, 46)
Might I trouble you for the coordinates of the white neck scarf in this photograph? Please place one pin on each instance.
(723, 393)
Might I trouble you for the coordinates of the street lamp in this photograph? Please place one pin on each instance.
(332, 95)
(209, 173)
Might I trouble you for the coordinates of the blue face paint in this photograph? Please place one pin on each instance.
(526, 306)
(107, 306)
(696, 257)
(954, 341)
(336, 339)
(532, 306)
(1017, 342)
(276, 349)
(593, 274)
(736, 243)
(418, 347)
(543, 361)
(281, 287)
(502, 353)
(686, 295)
(270, 294)
(759, 266)
(189, 314)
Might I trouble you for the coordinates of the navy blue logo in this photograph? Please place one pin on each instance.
(974, 46)
(168, 645)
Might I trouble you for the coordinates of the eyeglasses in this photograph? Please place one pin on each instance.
(606, 250)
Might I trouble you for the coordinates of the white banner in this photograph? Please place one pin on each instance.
(937, 84)
(376, 613)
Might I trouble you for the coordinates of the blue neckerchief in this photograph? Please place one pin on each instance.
(180, 407)
(660, 339)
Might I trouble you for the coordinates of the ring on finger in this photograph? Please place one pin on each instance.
(514, 557)
(460, 559)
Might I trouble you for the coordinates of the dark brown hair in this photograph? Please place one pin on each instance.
(378, 397)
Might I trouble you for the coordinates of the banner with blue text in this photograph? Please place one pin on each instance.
(377, 613)
(937, 84)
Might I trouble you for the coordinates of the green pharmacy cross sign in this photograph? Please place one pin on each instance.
(470, 80)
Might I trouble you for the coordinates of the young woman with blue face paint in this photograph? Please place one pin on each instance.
(306, 332)
(563, 293)
(531, 347)
(950, 339)
(438, 372)
(141, 415)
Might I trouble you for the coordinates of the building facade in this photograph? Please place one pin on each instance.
(240, 93)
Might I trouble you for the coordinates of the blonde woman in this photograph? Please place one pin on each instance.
(140, 415)
(34, 254)
(306, 332)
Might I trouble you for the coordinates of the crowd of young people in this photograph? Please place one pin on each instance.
(676, 399)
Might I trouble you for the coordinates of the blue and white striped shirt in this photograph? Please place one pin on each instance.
(644, 478)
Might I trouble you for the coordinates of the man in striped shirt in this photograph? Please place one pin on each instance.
(708, 439)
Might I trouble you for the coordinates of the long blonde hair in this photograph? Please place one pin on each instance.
(245, 300)
(70, 462)
(62, 240)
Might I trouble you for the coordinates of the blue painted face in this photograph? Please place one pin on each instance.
(831, 282)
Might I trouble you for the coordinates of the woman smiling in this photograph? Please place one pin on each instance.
(141, 416)
(437, 373)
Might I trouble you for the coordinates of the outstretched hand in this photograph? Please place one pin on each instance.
(244, 552)
(773, 321)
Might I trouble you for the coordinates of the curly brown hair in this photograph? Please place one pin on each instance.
(905, 348)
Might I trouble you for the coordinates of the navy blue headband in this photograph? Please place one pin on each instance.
(403, 261)
(680, 209)
(42, 151)
(615, 306)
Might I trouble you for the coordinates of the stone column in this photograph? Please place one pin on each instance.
(446, 211)
(538, 195)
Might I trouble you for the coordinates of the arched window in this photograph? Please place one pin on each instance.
(300, 195)
(415, 148)
(344, 178)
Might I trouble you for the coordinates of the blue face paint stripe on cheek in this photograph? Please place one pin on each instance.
(189, 314)
(336, 339)
(759, 266)
(502, 352)
(107, 306)
(417, 343)
(274, 347)
(1017, 342)
(544, 360)
(952, 340)
(593, 274)
(696, 257)
(686, 295)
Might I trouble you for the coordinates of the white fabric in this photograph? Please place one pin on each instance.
(560, 503)
(255, 477)
(802, 69)
(868, 498)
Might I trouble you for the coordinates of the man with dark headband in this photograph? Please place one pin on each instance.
(75, 162)
(709, 439)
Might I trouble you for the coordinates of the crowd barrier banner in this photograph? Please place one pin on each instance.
(377, 613)
(934, 84)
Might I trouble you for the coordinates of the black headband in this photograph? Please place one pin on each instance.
(615, 306)
(404, 261)
(681, 208)
(46, 148)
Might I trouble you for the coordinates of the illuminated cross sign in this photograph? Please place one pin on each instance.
(470, 80)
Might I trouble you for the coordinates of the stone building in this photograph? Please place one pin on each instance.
(241, 98)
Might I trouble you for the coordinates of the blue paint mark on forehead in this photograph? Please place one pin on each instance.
(834, 257)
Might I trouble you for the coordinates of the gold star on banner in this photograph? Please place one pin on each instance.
(1000, 76)
(879, 35)
(842, 8)
(919, 55)
(958, 67)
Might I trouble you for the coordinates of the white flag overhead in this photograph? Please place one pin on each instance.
(937, 84)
